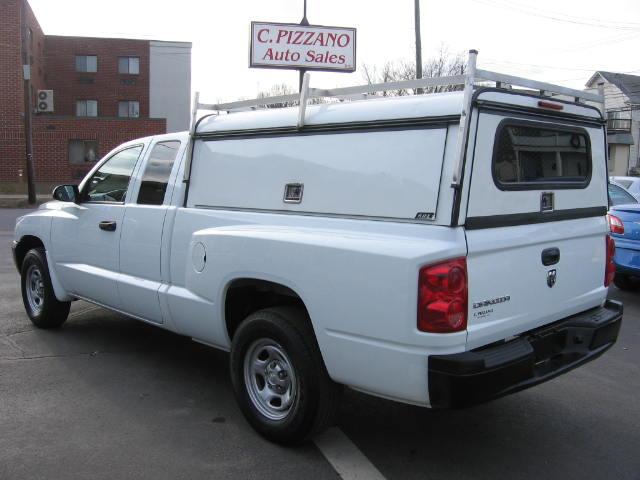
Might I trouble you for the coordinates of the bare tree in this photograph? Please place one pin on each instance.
(442, 65)
(390, 72)
(285, 89)
(277, 90)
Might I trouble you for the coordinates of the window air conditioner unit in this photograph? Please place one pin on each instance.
(45, 101)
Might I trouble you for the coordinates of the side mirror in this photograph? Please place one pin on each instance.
(66, 193)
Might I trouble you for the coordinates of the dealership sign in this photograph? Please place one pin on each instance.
(309, 47)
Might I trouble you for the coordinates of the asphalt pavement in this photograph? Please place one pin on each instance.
(109, 397)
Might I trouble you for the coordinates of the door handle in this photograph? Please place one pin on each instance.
(109, 226)
(550, 256)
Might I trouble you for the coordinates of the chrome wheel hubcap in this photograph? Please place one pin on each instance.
(35, 289)
(270, 379)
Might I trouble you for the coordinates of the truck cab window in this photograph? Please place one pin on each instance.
(111, 181)
(156, 174)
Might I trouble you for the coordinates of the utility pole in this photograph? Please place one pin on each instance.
(26, 75)
(418, 43)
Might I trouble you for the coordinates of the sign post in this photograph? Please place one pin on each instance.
(304, 23)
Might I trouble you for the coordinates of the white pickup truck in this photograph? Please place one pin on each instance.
(440, 250)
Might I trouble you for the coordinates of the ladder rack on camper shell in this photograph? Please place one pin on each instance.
(469, 80)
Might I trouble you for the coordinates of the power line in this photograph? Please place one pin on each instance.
(617, 38)
(595, 70)
(504, 62)
(589, 23)
(578, 18)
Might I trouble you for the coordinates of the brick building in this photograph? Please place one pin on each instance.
(105, 91)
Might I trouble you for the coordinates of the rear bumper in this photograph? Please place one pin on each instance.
(468, 378)
(627, 261)
(627, 257)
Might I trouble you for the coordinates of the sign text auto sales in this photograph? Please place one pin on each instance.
(283, 45)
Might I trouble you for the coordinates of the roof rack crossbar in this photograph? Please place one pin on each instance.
(304, 95)
(465, 117)
(335, 92)
(399, 85)
(248, 104)
(548, 88)
(362, 90)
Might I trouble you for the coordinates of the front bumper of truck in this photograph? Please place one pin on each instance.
(14, 253)
(468, 378)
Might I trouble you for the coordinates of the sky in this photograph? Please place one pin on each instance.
(556, 41)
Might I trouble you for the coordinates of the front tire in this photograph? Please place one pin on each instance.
(40, 302)
(279, 378)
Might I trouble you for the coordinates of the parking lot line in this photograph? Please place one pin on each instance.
(345, 457)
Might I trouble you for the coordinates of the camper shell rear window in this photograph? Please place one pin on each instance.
(535, 156)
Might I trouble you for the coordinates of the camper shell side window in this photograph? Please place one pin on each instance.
(534, 156)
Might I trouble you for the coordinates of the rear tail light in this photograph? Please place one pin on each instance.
(442, 297)
(615, 224)
(610, 266)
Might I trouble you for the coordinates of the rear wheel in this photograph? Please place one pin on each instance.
(42, 306)
(624, 282)
(279, 378)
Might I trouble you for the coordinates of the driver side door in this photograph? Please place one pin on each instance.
(86, 240)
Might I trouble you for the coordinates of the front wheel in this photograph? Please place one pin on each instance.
(40, 302)
(279, 378)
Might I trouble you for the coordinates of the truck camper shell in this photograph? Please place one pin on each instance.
(303, 147)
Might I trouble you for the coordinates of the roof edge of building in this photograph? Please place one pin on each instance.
(171, 43)
(120, 38)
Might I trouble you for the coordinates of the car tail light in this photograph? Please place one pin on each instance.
(615, 224)
(610, 266)
(442, 297)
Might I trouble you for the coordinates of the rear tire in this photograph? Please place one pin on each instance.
(40, 302)
(279, 378)
(624, 282)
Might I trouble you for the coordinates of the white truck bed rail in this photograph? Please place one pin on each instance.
(472, 78)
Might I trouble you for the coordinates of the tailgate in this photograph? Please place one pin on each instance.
(535, 224)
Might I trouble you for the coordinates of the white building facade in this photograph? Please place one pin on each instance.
(622, 106)
(170, 83)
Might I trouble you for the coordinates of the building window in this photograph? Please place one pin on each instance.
(83, 151)
(619, 120)
(87, 108)
(129, 109)
(86, 63)
(130, 65)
